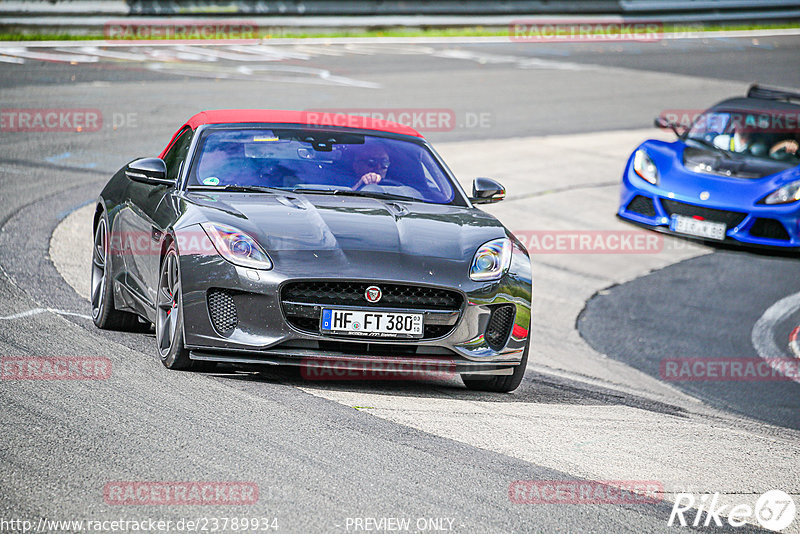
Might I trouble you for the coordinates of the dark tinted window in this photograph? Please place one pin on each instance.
(773, 135)
(290, 159)
(177, 153)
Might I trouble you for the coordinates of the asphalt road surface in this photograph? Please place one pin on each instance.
(552, 122)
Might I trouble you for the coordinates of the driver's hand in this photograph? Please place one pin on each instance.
(369, 178)
(789, 145)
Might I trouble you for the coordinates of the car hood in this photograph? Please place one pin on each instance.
(708, 161)
(353, 236)
(715, 190)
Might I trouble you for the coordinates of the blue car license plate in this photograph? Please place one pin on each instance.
(698, 228)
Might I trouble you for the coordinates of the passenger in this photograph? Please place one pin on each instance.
(742, 141)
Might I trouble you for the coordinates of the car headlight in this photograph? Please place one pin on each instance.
(492, 260)
(644, 166)
(784, 195)
(236, 246)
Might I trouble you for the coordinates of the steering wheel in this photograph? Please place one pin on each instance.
(781, 149)
(383, 182)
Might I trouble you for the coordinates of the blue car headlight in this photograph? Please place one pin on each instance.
(644, 166)
(236, 246)
(786, 194)
(491, 260)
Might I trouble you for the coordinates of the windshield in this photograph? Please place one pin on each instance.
(767, 135)
(319, 161)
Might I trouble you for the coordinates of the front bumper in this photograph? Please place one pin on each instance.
(262, 334)
(756, 225)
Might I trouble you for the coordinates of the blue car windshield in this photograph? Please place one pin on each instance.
(771, 135)
(319, 160)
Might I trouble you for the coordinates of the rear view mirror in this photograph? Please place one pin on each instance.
(487, 191)
(662, 122)
(149, 171)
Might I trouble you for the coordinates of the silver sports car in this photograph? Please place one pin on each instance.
(292, 238)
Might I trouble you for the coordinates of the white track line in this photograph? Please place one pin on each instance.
(23, 52)
(230, 56)
(519, 61)
(96, 51)
(37, 311)
(267, 73)
(270, 52)
(10, 59)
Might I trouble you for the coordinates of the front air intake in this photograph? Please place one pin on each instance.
(769, 229)
(500, 324)
(222, 310)
(642, 206)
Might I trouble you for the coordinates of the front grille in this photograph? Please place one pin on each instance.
(730, 218)
(769, 229)
(222, 310)
(352, 294)
(500, 324)
(333, 293)
(642, 206)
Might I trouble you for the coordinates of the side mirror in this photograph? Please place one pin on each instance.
(487, 191)
(151, 171)
(662, 122)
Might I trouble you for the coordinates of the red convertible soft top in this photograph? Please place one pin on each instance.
(312, 118)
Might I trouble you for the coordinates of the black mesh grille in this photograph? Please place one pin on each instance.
(642, 206)
(222, 310)
(730, 218)
(769, 229)
(352, 294)
(304, 323)
(499, 327)
(435, 330)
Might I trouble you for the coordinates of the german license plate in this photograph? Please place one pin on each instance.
(371, 323)
(695, 227)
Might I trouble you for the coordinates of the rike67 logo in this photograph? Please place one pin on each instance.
(774, 510)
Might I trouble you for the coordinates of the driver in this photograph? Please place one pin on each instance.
(370, 165)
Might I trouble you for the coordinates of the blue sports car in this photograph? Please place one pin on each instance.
(733, 173)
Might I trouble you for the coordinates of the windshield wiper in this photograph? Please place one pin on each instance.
(316, 190)
(237, 188)
(350, 193)
(712, 146)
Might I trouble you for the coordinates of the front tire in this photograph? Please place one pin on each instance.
(169, 314)
(502, 383)
(104, 315)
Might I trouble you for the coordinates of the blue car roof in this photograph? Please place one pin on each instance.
(755, 104)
